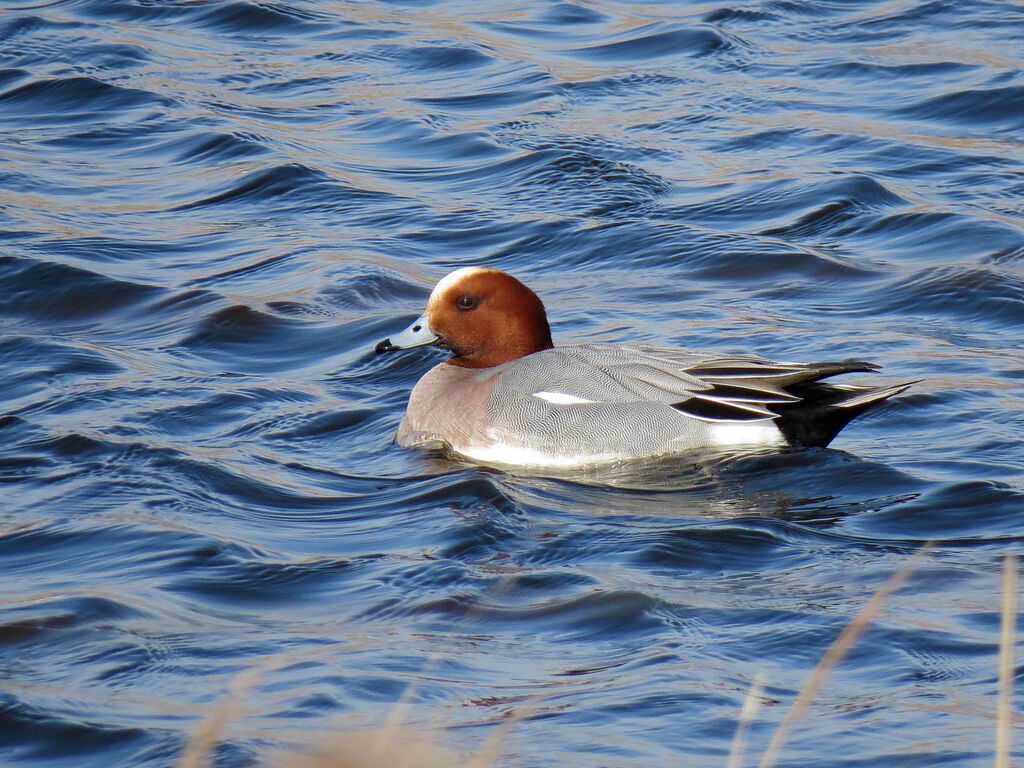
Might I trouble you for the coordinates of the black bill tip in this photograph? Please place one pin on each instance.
(384, 346)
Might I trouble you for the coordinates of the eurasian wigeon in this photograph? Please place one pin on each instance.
(508, 396)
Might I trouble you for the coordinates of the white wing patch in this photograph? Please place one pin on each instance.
(561, 398)
(752, 433)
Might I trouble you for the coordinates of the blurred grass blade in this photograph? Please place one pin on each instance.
(839, 648)
(198, 751)
(751, 705)
(1004, 717)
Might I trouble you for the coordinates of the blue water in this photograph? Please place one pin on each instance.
(210, 211)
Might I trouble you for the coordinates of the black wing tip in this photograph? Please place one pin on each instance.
(836, 367)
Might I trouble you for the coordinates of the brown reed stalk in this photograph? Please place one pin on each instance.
(839, 648)
(1004, 715)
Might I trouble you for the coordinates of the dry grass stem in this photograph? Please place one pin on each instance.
(395, 745)
(396, 716)
(751, 705)
(1004, 716)
(395, 748)
(489, 752)
(839, 648)
(197, 751)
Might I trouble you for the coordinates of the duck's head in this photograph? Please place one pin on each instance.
(485, 317)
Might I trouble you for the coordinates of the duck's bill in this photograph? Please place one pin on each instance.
(416, 335)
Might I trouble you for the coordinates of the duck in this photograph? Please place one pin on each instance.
(507, 396)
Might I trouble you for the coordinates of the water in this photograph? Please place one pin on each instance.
(210, 212)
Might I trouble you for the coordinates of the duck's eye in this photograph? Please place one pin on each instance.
(465, 302)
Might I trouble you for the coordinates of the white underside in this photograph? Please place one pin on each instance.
(734, 435)
(513, 456)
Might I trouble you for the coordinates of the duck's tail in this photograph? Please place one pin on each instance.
(805, 409)
(824, 409)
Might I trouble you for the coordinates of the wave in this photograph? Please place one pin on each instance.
(288, 186)
(654, 43)
(1001, 109)
(53, 292)
(70, 100)
(981, 294)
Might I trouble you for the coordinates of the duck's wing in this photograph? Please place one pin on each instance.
(702, 385)
(585, 380)
(772, 387)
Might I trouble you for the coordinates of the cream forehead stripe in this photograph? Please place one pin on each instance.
(451, 279)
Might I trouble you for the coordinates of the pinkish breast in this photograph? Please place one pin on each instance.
(449, 404)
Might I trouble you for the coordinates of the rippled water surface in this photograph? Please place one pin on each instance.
(211, 210)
